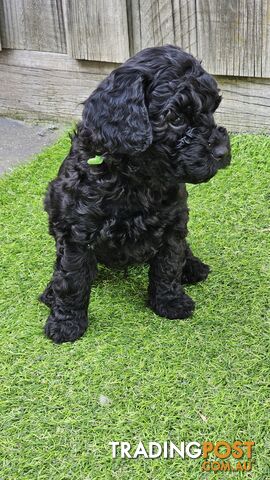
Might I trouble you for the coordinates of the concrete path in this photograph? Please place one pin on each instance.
(19, 141)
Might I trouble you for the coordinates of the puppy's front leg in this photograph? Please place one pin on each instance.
(70, 287)
(166, 295)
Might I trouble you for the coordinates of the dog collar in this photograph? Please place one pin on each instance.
(97, 160)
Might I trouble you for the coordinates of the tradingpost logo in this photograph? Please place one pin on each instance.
(220, 456)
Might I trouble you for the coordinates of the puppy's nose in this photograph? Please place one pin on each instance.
(220, 152)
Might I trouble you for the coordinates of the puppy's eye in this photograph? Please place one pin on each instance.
(178, 121)
(170, 116)
(174, 119)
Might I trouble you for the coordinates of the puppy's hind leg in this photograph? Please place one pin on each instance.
(69, 292)
(194, 270)
(166, 295)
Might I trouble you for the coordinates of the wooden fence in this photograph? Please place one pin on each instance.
(54, 52)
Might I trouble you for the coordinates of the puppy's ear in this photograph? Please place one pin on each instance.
(115, 117)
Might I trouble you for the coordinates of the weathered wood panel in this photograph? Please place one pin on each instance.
(43, 85)
(151, 23)
(233, 36)
(266, 39)
(33, 25)
(97, 29)
(246, 104)
(185, 24)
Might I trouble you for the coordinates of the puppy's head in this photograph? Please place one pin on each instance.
(161, 102)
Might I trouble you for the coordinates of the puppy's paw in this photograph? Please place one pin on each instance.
(66, 328)
(176, 308)
(194, 271)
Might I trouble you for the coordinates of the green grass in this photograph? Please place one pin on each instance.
(202, 379)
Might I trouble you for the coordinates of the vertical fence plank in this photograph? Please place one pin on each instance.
(266, 38)
(97, 29)
(185, 25)
(152, 23)
(233, 36)
(33, 25)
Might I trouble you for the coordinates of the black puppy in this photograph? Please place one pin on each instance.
(151, 123)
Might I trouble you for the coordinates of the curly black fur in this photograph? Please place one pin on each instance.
(152, 121)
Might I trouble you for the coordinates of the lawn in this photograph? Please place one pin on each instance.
(135, 376)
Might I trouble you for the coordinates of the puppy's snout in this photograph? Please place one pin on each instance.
(220, 152)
